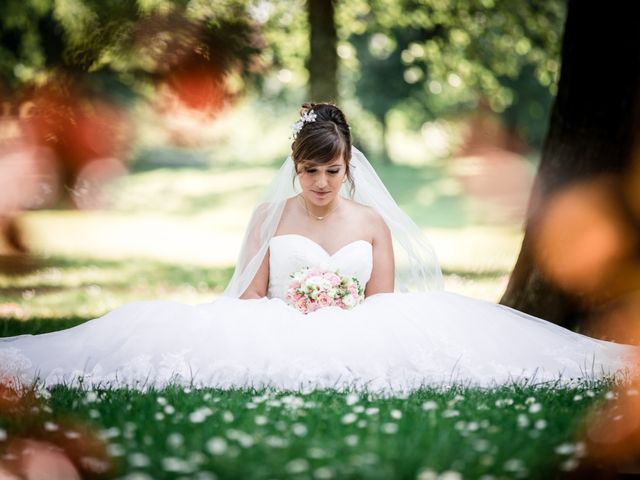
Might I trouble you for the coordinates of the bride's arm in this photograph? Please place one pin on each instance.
(252, 245)
(258, 286)
(383, 272)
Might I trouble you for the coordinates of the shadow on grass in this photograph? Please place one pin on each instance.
(10, 327)
(35, 272)
(58, 292)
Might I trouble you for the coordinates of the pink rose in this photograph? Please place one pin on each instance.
(324, 300)
(301, 304)
(332, 277)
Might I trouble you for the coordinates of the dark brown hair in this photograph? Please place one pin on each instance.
(324, 139)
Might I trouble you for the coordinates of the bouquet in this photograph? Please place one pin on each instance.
(314, 288)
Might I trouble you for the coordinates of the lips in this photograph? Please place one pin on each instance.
(321, 194)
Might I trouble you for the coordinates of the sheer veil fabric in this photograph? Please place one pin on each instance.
(417, 266)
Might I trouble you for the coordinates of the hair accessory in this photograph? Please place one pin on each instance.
(307, 117)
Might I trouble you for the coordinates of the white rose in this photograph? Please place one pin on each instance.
(348, 300)
(317, 281)
(314, 281)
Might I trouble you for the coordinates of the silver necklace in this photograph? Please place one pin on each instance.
(315, 216)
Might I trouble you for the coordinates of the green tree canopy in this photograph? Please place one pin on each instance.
(448, 54)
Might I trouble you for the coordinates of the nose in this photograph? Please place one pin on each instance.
(321, 181)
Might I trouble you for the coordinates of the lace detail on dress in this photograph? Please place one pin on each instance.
(15, 366)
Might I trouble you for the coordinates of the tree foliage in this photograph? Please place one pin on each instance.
(448, 54)
(132, 40)
(429, 57)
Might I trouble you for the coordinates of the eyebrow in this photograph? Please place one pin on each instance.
(317, 165)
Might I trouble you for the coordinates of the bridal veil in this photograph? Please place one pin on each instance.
(417, 266)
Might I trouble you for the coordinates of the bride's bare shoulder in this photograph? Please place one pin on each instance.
(360, 208)
(264, 208)
(365, 214)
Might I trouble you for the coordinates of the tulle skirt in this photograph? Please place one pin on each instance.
(394, 342)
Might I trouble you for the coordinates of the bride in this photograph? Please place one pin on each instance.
(335, 287)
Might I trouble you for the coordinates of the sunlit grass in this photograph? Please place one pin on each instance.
(63, 287)
(516, 431)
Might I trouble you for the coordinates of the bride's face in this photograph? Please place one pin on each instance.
(321, 182)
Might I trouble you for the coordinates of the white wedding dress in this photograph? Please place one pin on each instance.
(393, 342)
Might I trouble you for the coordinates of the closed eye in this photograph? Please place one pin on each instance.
(313, 170)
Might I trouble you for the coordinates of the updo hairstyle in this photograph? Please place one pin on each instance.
(324, 139)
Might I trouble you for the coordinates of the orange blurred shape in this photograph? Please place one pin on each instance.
(497, 176)
(78, 128)
(612, 431)
(15, 399)
(582, 239)
(65, 446)
(190, 58)
(618, 320)
(200, 87)
(87, 191)
(34, 460)
(28, 178)
(632, 184)
(80, 445)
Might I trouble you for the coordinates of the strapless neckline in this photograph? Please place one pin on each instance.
(320, 247)
(290, 252)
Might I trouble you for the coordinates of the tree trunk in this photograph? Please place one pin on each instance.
(386, 158)
(323, 59)
(591, 130)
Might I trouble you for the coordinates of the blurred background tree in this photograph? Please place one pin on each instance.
(75, 72)
(323, 58)
(130, 40)
(434, 59)
(427, 59)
